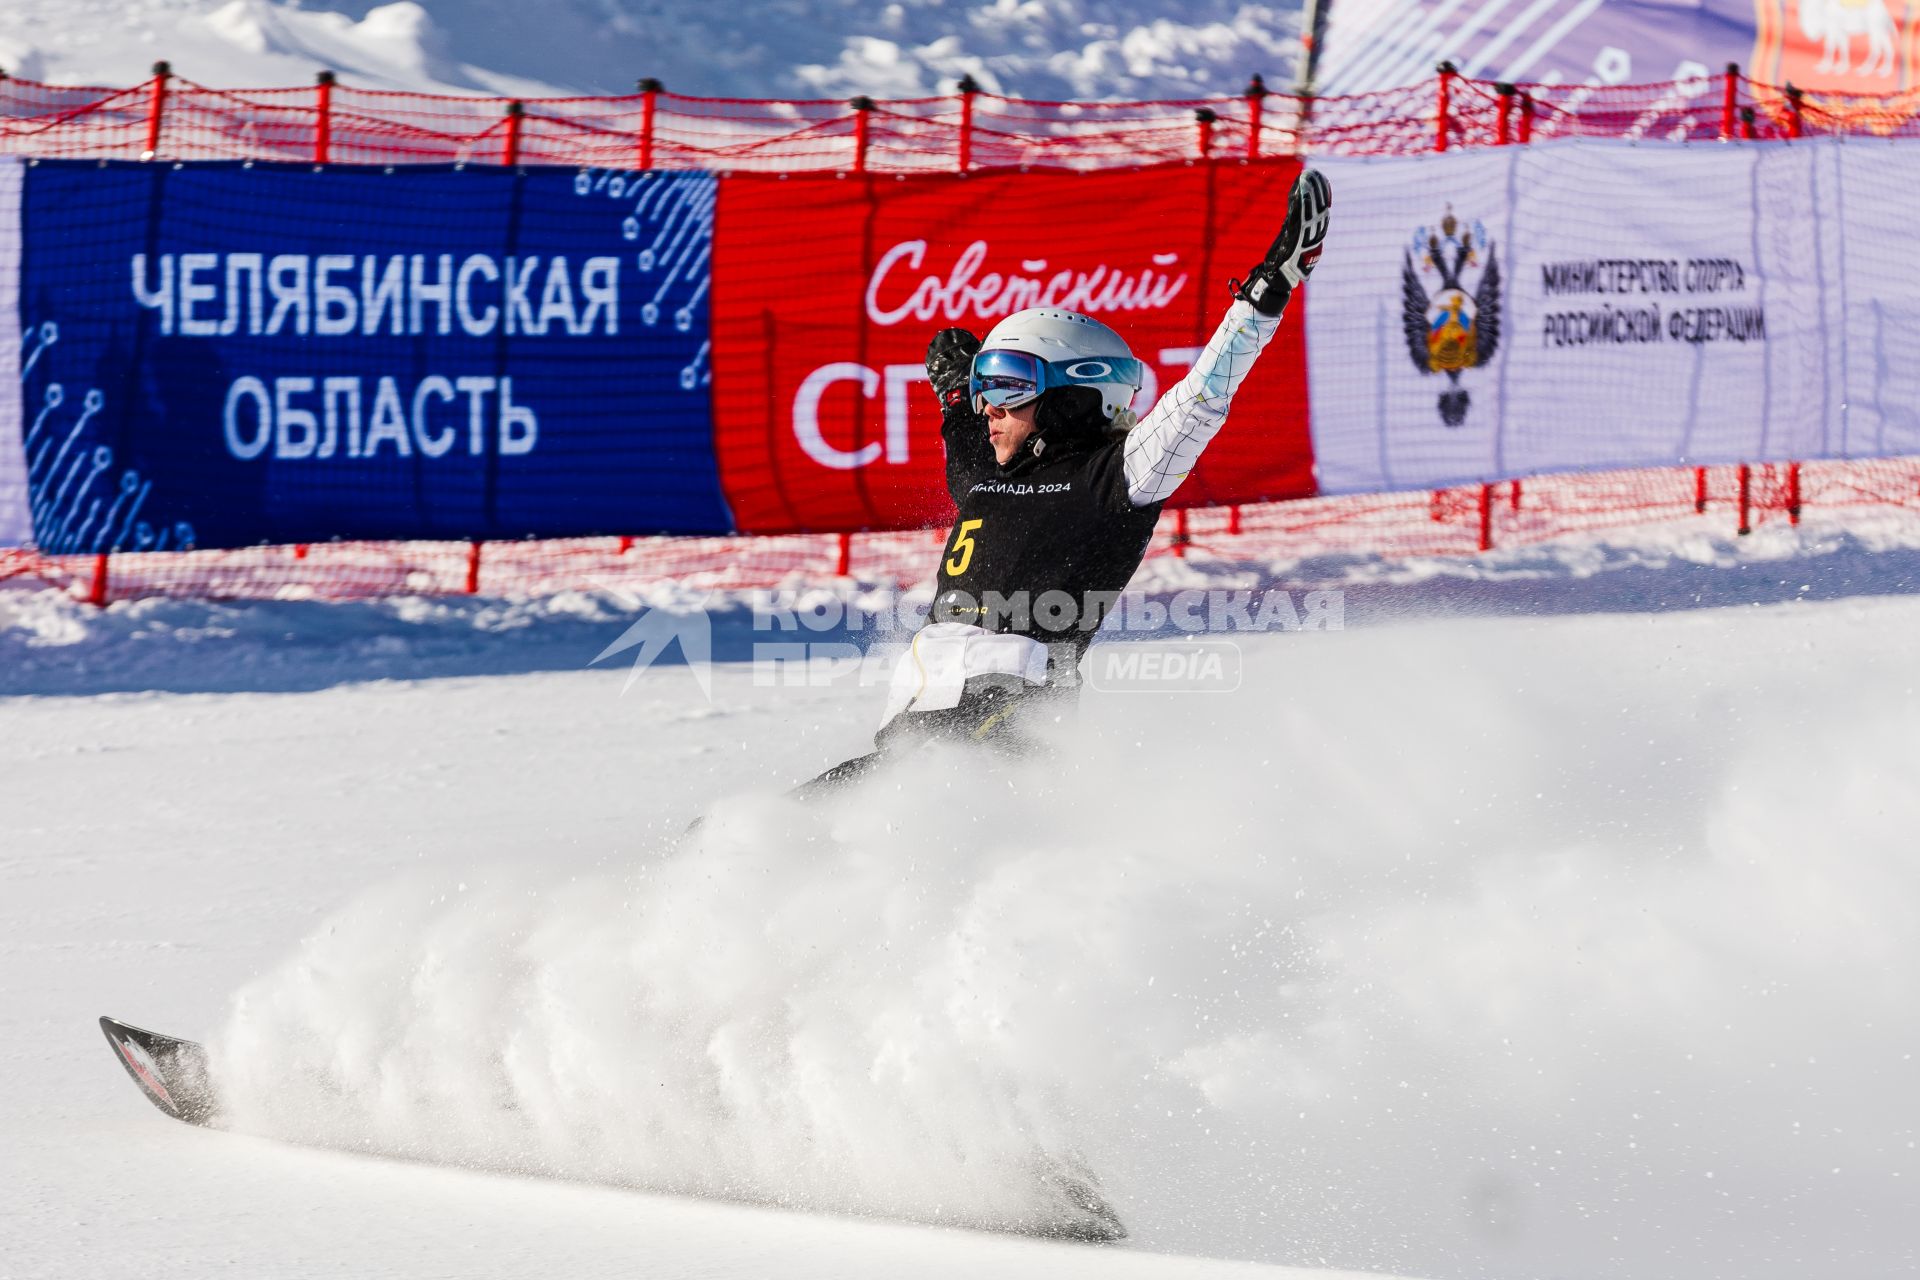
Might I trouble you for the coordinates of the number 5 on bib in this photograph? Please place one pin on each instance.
(962, 547)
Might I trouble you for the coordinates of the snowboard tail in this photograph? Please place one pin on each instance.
(171, 1073)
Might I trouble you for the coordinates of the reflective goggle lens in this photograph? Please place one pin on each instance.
(1007, 379)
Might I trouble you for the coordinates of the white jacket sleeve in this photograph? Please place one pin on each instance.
(1162, 449)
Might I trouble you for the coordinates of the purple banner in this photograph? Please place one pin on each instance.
(1825, 46)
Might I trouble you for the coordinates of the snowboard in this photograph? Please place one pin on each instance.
(171, 1073)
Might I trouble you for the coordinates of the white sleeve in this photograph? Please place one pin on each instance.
(1163, 448)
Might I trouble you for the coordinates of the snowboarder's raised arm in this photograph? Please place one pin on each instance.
(1163, 448)
(969, 452)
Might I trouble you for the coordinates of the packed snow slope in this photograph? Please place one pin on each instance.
(1579, 946)
(764, 48)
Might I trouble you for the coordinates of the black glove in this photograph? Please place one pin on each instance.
(1295, 250)
(950, 365)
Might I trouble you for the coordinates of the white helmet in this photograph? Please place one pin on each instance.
(1072, 350)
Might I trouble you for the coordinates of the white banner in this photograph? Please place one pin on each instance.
(1589, 305)
(1877, 308)
(16, 525)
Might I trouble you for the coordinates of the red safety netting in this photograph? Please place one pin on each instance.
(171, 118)
(1706, 108)
(1716, 502)
(168, 118)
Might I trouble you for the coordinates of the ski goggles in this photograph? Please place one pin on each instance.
(1008, 379)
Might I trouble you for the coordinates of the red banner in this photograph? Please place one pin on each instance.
(826, 290)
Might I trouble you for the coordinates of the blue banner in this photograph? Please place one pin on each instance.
(15, 527)
(227, 354)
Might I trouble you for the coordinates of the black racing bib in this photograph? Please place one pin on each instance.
(1044, 548)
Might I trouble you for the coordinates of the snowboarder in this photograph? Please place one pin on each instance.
(1058, 492)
